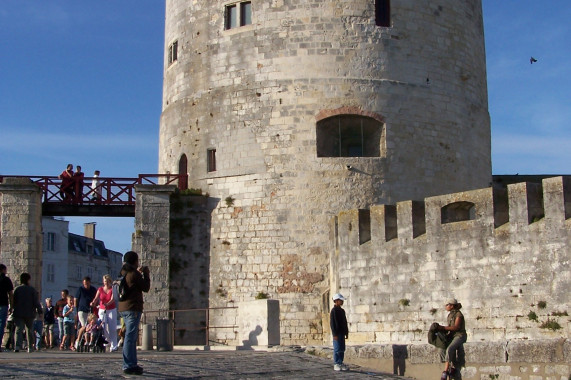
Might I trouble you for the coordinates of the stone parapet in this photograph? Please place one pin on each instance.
(504, 255)
(513, 359)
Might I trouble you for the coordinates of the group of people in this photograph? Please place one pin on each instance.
(451, 344)
(80, 319)
(71, 189)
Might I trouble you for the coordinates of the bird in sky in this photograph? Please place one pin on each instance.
(532, 60)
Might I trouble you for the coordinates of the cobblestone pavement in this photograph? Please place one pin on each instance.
(68, 365)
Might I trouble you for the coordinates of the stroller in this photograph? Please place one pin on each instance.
(98, 342)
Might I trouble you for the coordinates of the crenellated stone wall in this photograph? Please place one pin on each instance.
(503, 254)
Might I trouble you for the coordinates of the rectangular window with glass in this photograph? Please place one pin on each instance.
(50, 241)
(173, 52)
(231, 16)
(50, 273)
(245, 13)
(237, 14)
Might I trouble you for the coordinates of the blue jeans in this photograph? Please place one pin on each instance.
(38, 330)
(131, 320)
(339, 349)
(455, 352)
(3, 319)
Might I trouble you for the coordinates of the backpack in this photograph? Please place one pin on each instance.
(438, 338)
(123, 290)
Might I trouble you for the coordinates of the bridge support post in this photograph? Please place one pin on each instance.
(151, 240)
(21, 229)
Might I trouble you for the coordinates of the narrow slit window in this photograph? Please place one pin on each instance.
(211, 160)
(173, 53)
(383, 12)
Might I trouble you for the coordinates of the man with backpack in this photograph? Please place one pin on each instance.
(135, 281)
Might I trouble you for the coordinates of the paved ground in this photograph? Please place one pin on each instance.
(68, 365)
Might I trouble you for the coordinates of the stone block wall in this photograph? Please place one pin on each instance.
(254, 94)
(189, 266)
(151, 241)
(505, 257)
(21, 229)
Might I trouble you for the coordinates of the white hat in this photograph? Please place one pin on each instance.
(338, 296)
(451, 301)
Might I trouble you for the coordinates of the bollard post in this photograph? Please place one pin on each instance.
(147, 343)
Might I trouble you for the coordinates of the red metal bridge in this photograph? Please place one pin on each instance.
(110, 196)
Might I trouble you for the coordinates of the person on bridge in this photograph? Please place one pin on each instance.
(6, 299)
(78, 177)
(96, 187)
(67, 183)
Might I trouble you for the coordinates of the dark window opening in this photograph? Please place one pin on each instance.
(235, 17)
(173, 52)
(211, 160)
(391, 227)
(457, 212)
(183, 170)
(349, 136)
(383, 12)
(364, 226)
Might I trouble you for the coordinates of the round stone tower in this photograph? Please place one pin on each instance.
(287, 112)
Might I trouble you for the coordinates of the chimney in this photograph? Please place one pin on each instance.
(89, 230)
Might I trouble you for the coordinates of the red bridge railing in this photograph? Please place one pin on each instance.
(109, 191)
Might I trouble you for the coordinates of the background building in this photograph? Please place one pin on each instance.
(68, 257)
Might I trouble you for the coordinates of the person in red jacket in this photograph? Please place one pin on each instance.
(67, 184)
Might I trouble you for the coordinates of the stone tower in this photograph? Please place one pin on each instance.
(286, 112)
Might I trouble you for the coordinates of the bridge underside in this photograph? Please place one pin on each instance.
(59, 209)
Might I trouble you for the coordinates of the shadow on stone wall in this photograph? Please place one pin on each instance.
(189, 269)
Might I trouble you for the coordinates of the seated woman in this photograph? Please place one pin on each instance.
(453, 356)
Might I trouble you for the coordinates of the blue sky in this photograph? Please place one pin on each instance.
(81, 83)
